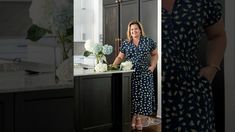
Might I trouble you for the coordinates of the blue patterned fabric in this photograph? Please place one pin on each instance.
(142, 87)
(187, 101)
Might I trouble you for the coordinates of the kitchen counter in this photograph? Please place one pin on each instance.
(21, 81)
(35, 102)
(92, 72)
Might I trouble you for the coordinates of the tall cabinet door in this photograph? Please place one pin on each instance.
(111, 27)
(148, 17)
(129, 10)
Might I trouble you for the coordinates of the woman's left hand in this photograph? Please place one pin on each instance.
(208, 72)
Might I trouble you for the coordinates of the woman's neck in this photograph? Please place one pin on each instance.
(136, 40)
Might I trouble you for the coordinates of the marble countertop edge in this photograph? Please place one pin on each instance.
(87, 72)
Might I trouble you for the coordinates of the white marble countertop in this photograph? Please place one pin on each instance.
(80, 72)
(19, 81)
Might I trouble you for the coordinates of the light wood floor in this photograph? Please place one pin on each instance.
(155, 128)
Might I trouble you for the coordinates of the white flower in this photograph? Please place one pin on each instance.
(89, 46)
(65, 70)
(41, 13)
(101, 67)
(127, 65)
(62, 19)
(54, 15)
(56, 18)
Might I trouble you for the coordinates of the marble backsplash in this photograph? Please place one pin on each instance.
(79, 48)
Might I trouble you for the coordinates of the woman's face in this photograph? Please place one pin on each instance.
(135, 31)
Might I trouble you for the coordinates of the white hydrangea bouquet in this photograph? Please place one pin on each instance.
(101, 67)
(126, 65)
(54, 18)
(99, 50)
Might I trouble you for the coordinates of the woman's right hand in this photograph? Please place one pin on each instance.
(151, 68)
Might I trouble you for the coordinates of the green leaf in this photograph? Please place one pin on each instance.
(35, 32)
(69, 31)
(87, 53)
(69, 39)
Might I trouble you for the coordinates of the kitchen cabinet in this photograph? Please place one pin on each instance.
(6, 112)
(37, 111)
(116, 16)
(118, 13)
(102, 102)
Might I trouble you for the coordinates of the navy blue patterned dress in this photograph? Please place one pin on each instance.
(142, 86)
(187, 101)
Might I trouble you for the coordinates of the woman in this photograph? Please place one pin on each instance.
(142, 52)
(187, 101)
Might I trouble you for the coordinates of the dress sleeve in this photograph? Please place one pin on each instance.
(123, 47)
(212, 12)
(153, 45)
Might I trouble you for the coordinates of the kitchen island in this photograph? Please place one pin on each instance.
(102, 101)
(35, 103)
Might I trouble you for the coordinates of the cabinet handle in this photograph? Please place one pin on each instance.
(117, 45)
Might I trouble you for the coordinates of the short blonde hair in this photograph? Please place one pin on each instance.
(128, 33)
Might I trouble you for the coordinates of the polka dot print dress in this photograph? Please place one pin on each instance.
(142, 87)
(187, 101)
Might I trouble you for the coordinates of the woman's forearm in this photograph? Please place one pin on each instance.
(215, 50)
(216, 44)
(117, 60)
(154, 58)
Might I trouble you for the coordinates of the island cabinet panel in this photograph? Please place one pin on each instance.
(44, 111)
(6, 112)
(94, 96)
(102, 103)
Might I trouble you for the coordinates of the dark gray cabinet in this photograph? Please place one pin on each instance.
(111, 28)
(6, 112)
(129, 10)
(44, 111)
(118, 13)
(37, 111)
(102, 103)
(107, 2)
(116, 16)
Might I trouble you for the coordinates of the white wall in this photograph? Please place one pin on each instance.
(229, 66)
(87, 20)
